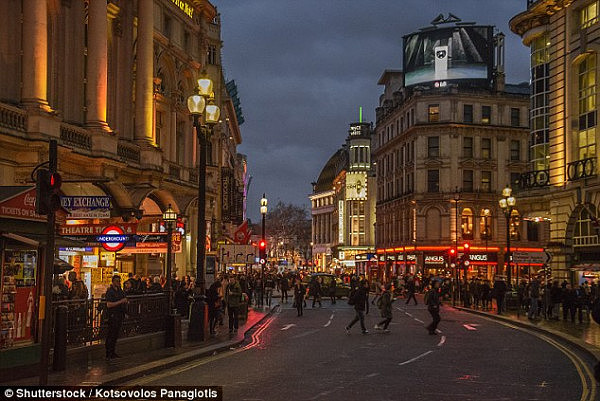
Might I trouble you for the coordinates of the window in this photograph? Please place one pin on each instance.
(533, 232)
(186, 41)
(158, 125)
(515, 117)
(515, 180)
(466, 223)
(433, 146)
(515, 223)
(486, 114)
(433, 181)
(588, 15)
(538, 116)
(586, 137)
(585, 232)
(486, 181)
(434, 113)
(485, 221)
(468, 180)
(468, 147)
(486, 148)
(515, 150)
(168, 26)
(468, 113)
(212, 54)
(180, 143)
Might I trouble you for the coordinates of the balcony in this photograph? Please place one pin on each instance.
(76, 137)
(129, 152)
(584, 168)
(534, 179)
(12, 118)
(588, 240)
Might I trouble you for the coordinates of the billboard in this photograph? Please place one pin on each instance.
(449, 54)
(356, 186)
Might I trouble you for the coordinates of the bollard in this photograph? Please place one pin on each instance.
(173, 330)
(59, 357)
(198, 326)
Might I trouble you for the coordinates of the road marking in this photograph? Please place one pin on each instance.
(415, 358)
(307, 333)
(438, 331)
(287, 326)
(442, 341)
(408, 314)
(327, 324)
(469, 327)
(331, 317)
(419, 320)
(373, 375)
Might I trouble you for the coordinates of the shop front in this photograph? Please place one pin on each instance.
(482, 265)
(435, 264)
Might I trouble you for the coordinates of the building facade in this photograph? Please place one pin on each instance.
(108, 80)
(561, 184)
(343, 204)
(443, 156)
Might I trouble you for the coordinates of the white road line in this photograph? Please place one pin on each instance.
(442, 341)
(419, 320)
(415, 358)
(287, 326)
(469, 327)
(331, 317)
(307, 333)
(408, 314)
(373, 375)
(438, 331)
(327, 324)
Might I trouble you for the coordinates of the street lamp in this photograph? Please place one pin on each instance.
(507, 204)
(263, 212)
(197, 105)
(456, 291)
(169, 217)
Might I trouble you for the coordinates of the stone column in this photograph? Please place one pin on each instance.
(97, 65)
(144, 71)
(35, 55)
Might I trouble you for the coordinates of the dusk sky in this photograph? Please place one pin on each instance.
(303, 68)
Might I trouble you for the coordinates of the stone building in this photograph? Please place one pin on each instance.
(343, 204)
(444, 151)
(109, 81)
(561, 184)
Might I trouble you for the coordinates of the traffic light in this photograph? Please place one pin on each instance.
(47, 191)
(466, 248)
(262, 247)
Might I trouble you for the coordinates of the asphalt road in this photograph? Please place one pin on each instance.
(312, 358)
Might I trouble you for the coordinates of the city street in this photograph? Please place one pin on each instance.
(312, 358)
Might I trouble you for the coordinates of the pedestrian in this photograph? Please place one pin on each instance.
(234, 298)
(155, 287)
(116, 302)
(299, 292)
(213, 300)
(499, 293)
(433, 307)
(569, 300)
(315, 289)
(258, 291)
(534, 296)
(360, 300)
(410, 290)
(384, 303)
(486, 290)
(269, 287)
(332, 289)
(284, 285)
(556, 297)
(78, 288)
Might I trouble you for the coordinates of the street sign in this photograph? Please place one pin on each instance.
(235, 253)
(527, 258)
(113, 231)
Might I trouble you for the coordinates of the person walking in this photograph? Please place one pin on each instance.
(331, 289)
(234, 298)
(316, 291)
(499, 293)
(116, 304)
(284, 285)
(433, 307)
(299, 292)
(534, 296)
(411, 289)
(213, 300)
(269, 287)
(360, 300)
(384, 303)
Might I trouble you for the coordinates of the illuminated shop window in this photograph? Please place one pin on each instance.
(485, 221)
(466, 223)
(588, 15)
(586, 137)
(538, 118)
(515, 224)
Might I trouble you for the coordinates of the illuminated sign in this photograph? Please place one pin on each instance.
(341, 222)
(116, 245)
(356, 185)
(434, 259)
(185, 7)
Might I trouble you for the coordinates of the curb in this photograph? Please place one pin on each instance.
(169, 362)
(589, 349)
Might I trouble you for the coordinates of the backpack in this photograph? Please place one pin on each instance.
(352, 297)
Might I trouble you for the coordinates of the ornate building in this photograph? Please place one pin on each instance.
(561, 185)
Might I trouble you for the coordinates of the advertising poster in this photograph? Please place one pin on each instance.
(24, 304)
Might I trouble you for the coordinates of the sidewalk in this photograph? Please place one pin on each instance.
(585, 335)
(100, 371)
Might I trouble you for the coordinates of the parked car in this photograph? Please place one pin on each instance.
(341, 289)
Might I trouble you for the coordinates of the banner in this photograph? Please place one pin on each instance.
(86, 207)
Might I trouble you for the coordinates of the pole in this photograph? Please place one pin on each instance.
(457, 278)
(201, 247)
(169, 261)
(509, 268)
(45, 311)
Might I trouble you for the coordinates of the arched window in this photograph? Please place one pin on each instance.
(515, 225)
(485, 224)
(466, 223)
(585, 233)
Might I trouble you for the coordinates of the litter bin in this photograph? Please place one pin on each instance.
(198, 326)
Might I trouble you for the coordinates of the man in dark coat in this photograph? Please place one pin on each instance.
(316, 290)
(332, 289)
(411, 289)
(433, 307)
(385, 307)
(116, 303)
(361, 306)
(499, 293)
(299, 292)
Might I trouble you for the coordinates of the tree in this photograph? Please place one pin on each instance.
(289, 230)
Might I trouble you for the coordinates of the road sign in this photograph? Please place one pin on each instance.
(526, 258)
(242, 254)
(113, 246)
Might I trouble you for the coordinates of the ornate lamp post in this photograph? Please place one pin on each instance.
(198, 107)
(507, 204)
(263, 212)
(169, 217)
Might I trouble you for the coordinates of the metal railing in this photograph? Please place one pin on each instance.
(537, 178)
(583, 168)
(87, 319)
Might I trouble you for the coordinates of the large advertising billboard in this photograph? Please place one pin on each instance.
(448, 54)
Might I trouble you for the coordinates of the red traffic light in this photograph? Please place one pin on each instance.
(262, 244)
(466, 246)
(452, 251)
